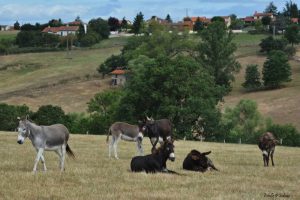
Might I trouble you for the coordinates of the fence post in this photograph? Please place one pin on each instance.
(240, 141)
(281, 140)
(224, 141)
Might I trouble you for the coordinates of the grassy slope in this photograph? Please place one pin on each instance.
(93, 176)
(8, 34)
(53, 69)
(50, 78)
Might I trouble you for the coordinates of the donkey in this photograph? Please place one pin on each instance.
(157, 130)
(155, 162)
(127, 132)
(267, 143)
(49, 138)
(197, 161)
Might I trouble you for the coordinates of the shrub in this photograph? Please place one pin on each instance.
(252, 77)
(288, 133)
(268, 44)
(9, 115)
(276, 69)
(49, 114)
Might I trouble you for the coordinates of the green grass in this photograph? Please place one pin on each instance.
(112, 42)
(93, 176)
(245, 39)
(8, 34)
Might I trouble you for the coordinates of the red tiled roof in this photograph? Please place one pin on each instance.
(61, 28)
(118, 71)
(294, 20)
(262, 14)
(249, 19)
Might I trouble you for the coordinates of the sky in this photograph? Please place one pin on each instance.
(41, 11)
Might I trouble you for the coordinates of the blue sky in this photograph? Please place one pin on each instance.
(31, 11)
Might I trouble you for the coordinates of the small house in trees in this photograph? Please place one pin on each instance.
(118, 76)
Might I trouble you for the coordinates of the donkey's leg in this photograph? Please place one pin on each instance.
(272, 153)
(63, 148)
(38, 156)
(117, 138)
(268, 157)
(111, 145)
(43, 161)
(59, 153)
(139, 147)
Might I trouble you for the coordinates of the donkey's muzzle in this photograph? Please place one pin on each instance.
(20, 142)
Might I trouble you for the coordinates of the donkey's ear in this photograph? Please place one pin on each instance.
(27, 117)
(206, 153)
(18, 118)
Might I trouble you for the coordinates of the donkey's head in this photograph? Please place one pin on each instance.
(23, 129)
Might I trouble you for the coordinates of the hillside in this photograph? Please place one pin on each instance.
(51, 78)
(93, 176)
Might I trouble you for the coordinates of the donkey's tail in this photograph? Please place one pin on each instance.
(107, 138)
(70, 152)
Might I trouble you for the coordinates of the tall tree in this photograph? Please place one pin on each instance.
(124, 24)
(216, 52)
(271, 8)
(276, 69)
(292, 34)
(113, 23)
(138, 23)
(198, 26)
(168, 18)
(17, 26)
(291, 10)
(100, 26)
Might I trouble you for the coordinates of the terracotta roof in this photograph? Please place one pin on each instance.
(294, 20)
(118, 72)
(249, 19)
(262, 14)
(61, 28)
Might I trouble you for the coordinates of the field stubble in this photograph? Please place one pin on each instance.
(93, 176)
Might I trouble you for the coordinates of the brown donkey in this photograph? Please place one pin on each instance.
(267, 143)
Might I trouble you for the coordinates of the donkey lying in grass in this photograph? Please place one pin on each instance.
(196, 161)
(155, 162)
(49, 138)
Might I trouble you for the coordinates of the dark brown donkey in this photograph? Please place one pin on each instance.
(267, 143)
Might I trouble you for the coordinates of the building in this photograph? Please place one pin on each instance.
(61, 30)
(248, 20)
(259, 16)
(118, 77)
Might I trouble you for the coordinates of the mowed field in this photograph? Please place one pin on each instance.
(94, 176)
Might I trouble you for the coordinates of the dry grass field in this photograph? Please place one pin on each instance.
(93, 176)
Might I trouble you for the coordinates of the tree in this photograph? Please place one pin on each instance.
(281, 22)
(258, 26)
(216, 52)
(113, 23)
(9, 115)
(252, 77)
(241, 122)
(124, 24)
(198, 26)
(17, 26)
(111, 64)
(292, 34)
(55, 22)
(217, 18)
(99, 26)
(48, 115)
(138, 23)
(276, 69)
(266, 20)
(271, 8)
(168, 18)
(175, 88)
(28, 27)
(89, 39)
(291, 10)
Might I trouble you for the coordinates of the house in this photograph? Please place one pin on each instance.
(248, 20)
(61, 30)
(118, 76)
(5, 28)
(295, 20)
(157, 19)
(259, 16)
(189, 22)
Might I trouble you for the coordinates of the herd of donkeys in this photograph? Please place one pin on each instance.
(55, 138)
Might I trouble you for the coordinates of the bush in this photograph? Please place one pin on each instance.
(252, 77)
(9, 115)
(268, 44)
(288, 133)
(89, 39)
(49, 114)
(290, 51)
(276, 69)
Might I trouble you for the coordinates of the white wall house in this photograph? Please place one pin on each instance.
(62, 30)
(118, 77)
